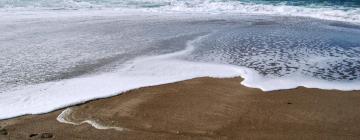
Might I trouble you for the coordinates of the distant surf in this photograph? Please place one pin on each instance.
(342, 10)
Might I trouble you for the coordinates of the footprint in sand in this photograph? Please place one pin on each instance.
(42, 136)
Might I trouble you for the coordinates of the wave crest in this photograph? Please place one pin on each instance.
(328, 12)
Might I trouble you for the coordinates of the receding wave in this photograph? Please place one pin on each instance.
(50, 63)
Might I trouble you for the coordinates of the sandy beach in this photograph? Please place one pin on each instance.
(179, 69)
(201, 108)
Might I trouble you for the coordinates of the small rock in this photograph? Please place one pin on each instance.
(33, 135)
(46, 135)
(3, 132)
(289, 103)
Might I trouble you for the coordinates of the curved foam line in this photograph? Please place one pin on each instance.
(142, 72)
(62, 118)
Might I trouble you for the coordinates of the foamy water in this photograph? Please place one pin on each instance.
(342, 10)
(64, 118)
(141, 72)
(51, 60)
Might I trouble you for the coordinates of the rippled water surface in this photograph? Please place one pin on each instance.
(53, 59)
(329, 51)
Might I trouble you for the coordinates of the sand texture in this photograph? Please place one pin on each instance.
(201, 108)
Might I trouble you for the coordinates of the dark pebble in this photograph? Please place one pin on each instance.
(3, 132)
(33, 135)
(289, 103)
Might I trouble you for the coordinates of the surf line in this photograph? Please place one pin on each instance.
(64, 116)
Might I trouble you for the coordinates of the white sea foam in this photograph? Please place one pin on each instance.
(269, 84)
(328, 13)
(141, 72)
(341, 13)
(63, 118)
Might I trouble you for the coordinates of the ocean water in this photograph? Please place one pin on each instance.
(344, 10)
(162, 3)
(57, 53)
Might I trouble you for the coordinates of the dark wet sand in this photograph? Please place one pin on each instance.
(202, 108)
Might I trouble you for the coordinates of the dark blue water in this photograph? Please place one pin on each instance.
(160, 3)
(346, 3)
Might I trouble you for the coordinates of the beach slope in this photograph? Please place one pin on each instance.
(201, 108)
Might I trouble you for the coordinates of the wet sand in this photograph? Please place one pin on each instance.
(201, 108)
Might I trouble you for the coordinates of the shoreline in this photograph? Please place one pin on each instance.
(202, 108)
(166, 66)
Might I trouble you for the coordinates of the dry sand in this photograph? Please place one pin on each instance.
(202, 108)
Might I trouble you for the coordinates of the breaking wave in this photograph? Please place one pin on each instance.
(341, 10)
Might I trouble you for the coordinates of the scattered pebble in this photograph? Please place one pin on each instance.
(3, 132)
(33, 135)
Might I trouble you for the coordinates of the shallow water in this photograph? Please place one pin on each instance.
(54, 60)
(284, 47)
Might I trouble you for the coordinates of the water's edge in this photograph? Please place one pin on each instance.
(141, 72)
